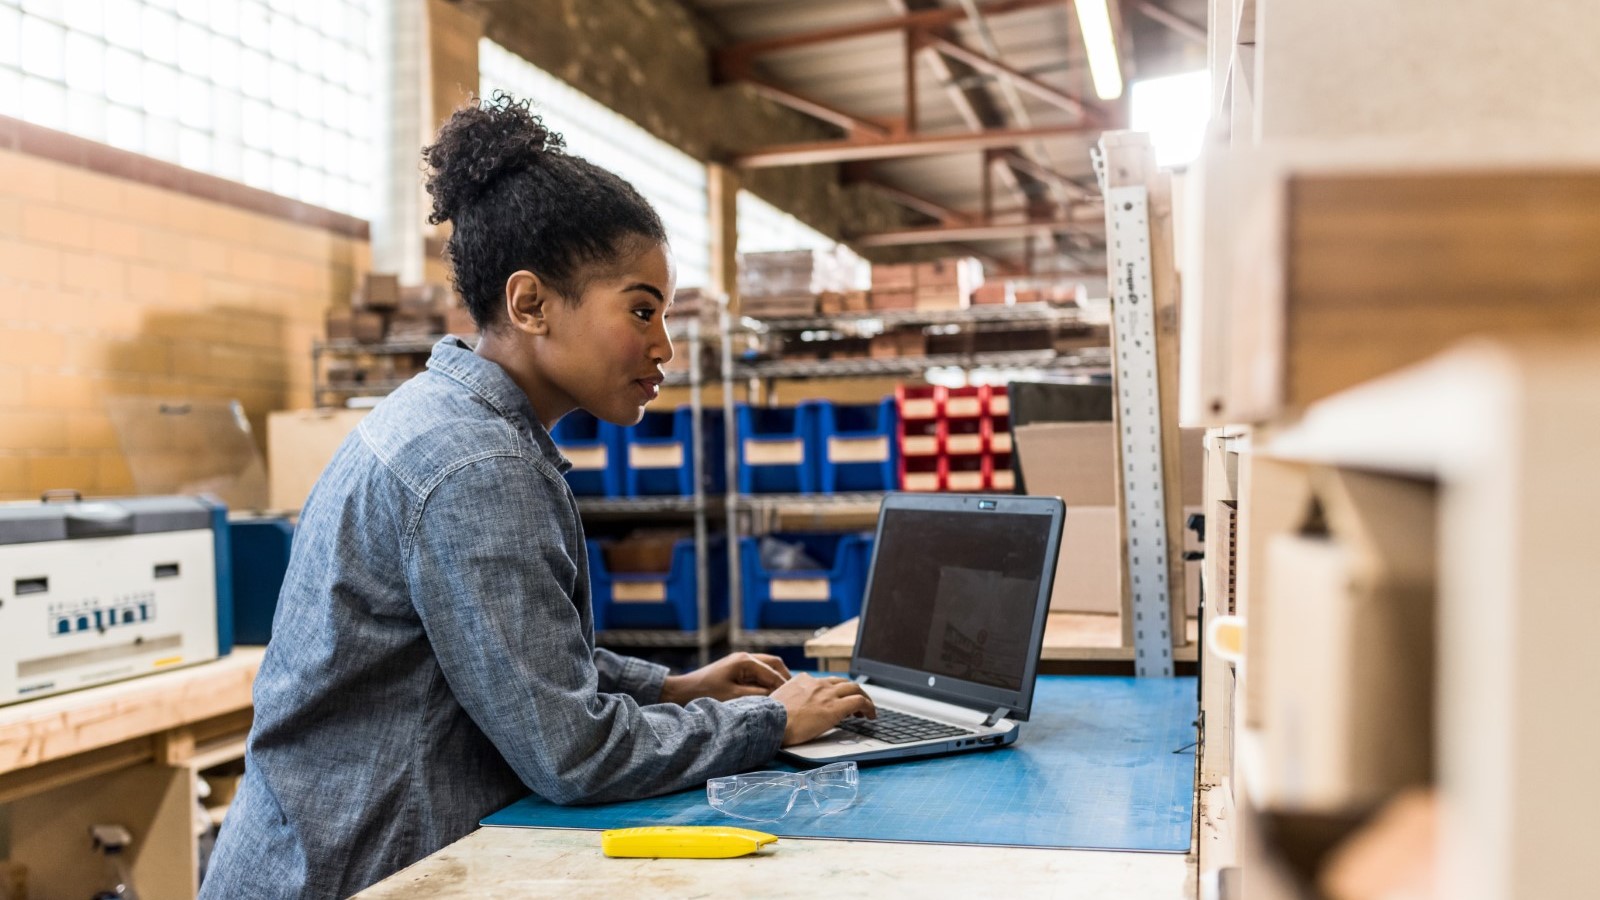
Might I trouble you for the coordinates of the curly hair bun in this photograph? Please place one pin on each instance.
(478, 145)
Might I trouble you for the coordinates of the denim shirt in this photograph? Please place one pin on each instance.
(433, 658)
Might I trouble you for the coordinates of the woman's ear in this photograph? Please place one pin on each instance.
(527, 298)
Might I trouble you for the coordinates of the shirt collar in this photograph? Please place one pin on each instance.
(454, 359)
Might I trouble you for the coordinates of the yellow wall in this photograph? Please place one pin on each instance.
(110, 287)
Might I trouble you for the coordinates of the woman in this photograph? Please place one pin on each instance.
(433, 657)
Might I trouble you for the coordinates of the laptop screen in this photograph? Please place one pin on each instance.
(954, 593)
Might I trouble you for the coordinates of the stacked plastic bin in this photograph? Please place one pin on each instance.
(966, 439)
(804, 597)
(954, 439)
(777, 448)
(666, 600)
(920, 436)
(856, 446)
(660, 453)
(595, 451)
(998, 413)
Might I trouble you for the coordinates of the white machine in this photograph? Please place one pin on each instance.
(97, 591)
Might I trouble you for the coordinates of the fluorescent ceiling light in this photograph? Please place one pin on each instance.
(1174, 111)
(1095, 21)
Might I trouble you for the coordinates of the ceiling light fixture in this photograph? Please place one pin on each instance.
(1095, 22)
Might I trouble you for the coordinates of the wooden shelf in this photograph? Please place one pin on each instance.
(1068, 637)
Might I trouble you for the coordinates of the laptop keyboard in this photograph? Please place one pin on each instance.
(900, 728)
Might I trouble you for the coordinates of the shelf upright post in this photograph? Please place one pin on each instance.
(697, 437)
(722, 203)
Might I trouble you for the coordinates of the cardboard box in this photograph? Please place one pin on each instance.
(369, 327)
(893, 299)
(458, 321)
(646, 550)
(1348, 652)
(299, 445)
(1076, 461)
(857, 301)
(994, 293)
(378, 292)
(900, 277)
(942, 296)
(341, 325)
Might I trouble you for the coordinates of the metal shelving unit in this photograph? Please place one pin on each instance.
(749, 513)
(1092, 361)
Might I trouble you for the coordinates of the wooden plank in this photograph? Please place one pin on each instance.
(58, 727)
(519, 862)
(722, 204)
(1068, 637)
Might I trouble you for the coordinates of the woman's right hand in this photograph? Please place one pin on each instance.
(817, 704)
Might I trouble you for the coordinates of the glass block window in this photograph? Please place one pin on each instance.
(673, 181)
(276, 94)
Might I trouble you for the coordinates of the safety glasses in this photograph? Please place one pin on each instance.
(769, 796)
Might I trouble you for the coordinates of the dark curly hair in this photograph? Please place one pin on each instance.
(517, 200)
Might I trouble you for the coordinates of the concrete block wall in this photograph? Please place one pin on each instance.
(113, 287)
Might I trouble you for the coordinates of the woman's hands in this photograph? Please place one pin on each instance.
(734, 675)
(814, 705)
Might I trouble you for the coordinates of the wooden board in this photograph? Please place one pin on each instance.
(1068, 637)
(54, 728)
(518, 862)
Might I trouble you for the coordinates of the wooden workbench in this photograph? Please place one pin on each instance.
(1068, 637)
(125, 754)
(537, 862)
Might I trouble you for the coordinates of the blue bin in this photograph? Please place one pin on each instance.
(595, 450)
(660, 453)
(805, 598)
(659, 599)
(777, 448)
(259, 552)
(857, 448)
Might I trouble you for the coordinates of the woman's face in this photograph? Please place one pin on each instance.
(606, 352)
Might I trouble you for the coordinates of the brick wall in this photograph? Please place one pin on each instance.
(113, 287)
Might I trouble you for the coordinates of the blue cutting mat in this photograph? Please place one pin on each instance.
(1106, 763)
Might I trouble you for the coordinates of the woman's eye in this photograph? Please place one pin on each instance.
(645, 313)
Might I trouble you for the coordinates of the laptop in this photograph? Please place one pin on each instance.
(951, 626)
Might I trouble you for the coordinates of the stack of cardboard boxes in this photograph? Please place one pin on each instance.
(790, 282)
(382, 310)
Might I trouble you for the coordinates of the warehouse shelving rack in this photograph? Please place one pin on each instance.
(757, 513)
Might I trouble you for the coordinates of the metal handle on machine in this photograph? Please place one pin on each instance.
(64, 494)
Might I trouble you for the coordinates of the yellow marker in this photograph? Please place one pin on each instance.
(683, 842)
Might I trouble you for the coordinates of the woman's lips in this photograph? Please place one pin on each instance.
(650, 388)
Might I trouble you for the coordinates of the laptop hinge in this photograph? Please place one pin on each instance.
(995, 717)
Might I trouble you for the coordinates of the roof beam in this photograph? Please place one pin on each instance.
(946, 234)
(897, 147)
(1158, 13)
(1027, 83)
(730, 58)
(929, 208)
(815, 108)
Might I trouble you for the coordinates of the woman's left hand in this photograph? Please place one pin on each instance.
(734, 675)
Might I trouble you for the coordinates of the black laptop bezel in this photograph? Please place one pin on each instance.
(1016, 704)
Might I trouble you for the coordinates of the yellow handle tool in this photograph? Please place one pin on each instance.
(683, 841)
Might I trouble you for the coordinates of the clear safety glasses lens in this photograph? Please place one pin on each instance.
(769, 796)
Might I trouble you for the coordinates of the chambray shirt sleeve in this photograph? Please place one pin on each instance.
(493, 579)
(629, 675)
